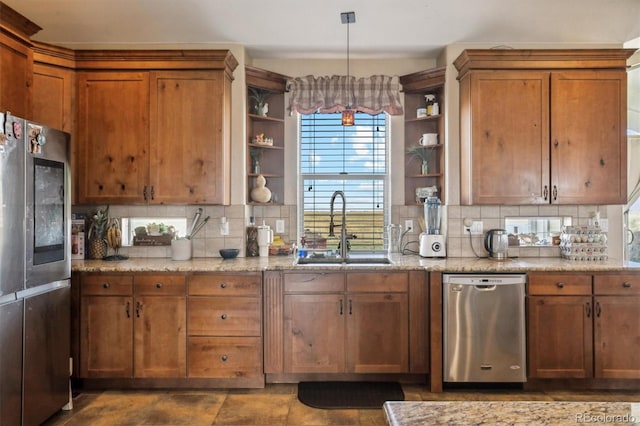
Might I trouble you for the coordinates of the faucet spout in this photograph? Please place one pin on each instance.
(343, 224)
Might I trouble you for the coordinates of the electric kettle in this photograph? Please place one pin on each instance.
(496, 242)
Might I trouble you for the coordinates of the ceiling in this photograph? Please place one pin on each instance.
(304, 29)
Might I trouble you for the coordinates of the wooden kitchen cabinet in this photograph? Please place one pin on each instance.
(554, 118)
(576, 331)
(106, 326)
(224, 330)
(154, 126)
(415, 86)
(16, 58)
(132, 326)
(113, 137)
(617, 326)
(270, 157)
(346, 323)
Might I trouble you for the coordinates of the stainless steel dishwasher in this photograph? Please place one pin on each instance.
(484, 328)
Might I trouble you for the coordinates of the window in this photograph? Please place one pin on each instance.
(349, 159)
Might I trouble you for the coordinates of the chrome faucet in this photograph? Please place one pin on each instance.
(343, 231)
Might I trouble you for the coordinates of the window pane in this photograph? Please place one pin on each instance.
(349, 159)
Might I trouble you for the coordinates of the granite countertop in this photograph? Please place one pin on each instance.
(510, 413)
(411, 262)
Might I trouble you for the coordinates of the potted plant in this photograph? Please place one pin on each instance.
(98, 234)
(421, 152)
(259, 98)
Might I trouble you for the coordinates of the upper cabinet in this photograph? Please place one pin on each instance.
(543, 126)
(424, 155)
(154, 126)
(16, 62)
(265, 131)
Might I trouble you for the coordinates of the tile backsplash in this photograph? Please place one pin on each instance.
(209, 240)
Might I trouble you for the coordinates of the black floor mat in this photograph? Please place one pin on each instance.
(349, 394)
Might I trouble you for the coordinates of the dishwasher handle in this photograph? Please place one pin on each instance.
(485, 287)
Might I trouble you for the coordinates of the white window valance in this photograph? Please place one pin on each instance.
(328, 94)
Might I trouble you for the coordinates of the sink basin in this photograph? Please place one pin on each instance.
(341, 261)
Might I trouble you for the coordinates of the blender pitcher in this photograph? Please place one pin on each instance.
(394, 238)
(432, 211)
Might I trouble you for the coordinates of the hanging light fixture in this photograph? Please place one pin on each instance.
(348, 114)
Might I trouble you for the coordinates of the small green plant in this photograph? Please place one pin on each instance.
(259, 97)
(420, 152)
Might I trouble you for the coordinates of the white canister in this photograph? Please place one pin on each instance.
(428, 139)
(181, 249)
(421, 112)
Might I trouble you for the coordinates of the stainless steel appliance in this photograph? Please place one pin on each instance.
(35, 271)
(432, 242)
(484, 328)
(496, 243)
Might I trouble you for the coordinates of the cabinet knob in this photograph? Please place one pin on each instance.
(626, 284)
(224, 358)
(560, 285)
(158, 285)
(223, 316)
(106, 285)
(223, 285)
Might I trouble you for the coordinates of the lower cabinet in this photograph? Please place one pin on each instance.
(132, 326)
(346, 323)
(225, 327)
(584, 326)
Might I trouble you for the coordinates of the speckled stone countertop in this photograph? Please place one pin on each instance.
(510, 413)
(455, 264)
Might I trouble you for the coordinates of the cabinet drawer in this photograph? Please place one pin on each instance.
(225, 357)
(107, 285)
(320, 282)
(241, 284)
(559, 284)
(224, 316)
(618, 284)
(380, 282)
(161, 284)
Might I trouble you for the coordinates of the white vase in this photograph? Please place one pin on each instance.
(260, 193)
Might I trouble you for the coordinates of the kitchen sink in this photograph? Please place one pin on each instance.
(355, 260)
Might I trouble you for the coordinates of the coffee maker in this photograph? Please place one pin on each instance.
(432, 242)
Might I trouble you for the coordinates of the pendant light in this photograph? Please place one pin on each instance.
(348, 115)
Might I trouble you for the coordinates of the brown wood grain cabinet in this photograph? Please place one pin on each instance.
(16, 58)
(583, 326)
(132, 326)
(225, 328)
(354, 322)
(556, 119)
(154, 126)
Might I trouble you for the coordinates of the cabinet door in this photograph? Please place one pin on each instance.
(560, 337)
(106, 337)
(588, 137)
(504, 132)
(51, 103)
(314, 333)
(377, 333)
(113, 137)
(160, 336)
(190, 153)
(16, 76)
(617, 337)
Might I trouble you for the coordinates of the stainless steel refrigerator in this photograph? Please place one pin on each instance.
(35, 271)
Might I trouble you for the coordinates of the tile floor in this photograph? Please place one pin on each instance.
(273, 405)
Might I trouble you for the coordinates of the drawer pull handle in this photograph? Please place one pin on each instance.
(626, 285)
(138, 309)
(158, 285)
(106, 285)
(560, 285)
(128, 310)
(224, 358)
(598, 310)
(588, 310)
(223, 316)
(223, 285)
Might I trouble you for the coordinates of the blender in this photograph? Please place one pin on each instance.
(432, 242)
